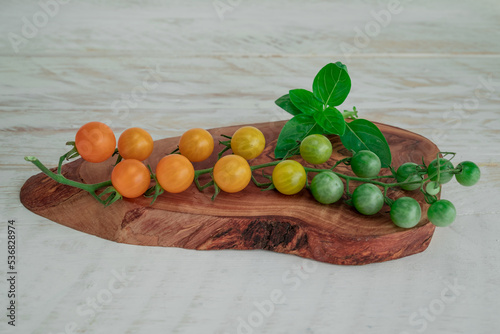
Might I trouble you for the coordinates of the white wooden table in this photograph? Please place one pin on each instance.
(428, 66)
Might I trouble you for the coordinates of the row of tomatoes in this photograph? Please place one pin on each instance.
(96, 142)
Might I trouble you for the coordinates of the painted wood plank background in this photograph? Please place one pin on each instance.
(428, 66)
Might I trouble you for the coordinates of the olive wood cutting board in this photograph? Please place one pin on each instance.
(250, 219)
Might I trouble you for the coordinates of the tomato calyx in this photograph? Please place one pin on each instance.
(112, 196)
(226, 144)
(119, 158)
(155, 190)
(71, 154)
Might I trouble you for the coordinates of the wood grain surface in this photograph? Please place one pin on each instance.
(432, 67)
(250, 219)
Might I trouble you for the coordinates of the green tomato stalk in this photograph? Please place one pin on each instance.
(92, 189)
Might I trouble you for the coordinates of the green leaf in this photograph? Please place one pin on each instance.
(305, 101)
(362, 134)
(331, 120)
(332, 84)
(286, 104)
(295, 130)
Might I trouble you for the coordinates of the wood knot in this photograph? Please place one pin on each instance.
(269, 234)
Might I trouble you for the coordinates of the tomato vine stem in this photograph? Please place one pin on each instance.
(58, 177)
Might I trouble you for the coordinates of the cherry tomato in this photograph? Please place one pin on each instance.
(432, 188)
(130, 178)
(95, 142)
(469, 175)
(289, 177)
(327, 187)
(135, 143)
(406, 212)
(367, 199)
(442, 213)
(444, 165)
(407, 172)
(316, 149)
(232, 173)
(365, 164)
(248, 142)
(196, 144)
(175, 173)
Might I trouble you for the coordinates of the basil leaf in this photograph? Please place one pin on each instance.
(331, 120)
(286, 104)
(295, 130)
(332, 84)
(362, 134)
(305, 101)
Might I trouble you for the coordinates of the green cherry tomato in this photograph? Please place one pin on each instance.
(327, 187)
(289, 177)
(432, 188)
(316, 149)
(365, 164)
(444, 165)
(442, 213)
(367, 199)
(469, 175)
(407, 172)
(406, 212)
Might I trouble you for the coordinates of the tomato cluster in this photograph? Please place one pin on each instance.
(96, 142)
(440, 171)
(368, 198)
(405, 211)
(175, 173)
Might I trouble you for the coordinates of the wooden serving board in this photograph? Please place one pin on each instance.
(250, 219)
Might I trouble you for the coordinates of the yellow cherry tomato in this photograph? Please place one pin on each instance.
(248, 142)
(232, 173)
(196, 144)
(289, 177)
(135, 143)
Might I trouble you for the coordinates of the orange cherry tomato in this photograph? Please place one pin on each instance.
(232, 173)
(196, 144)
(175, 173)
(130, 178)
(135, 143)
(248, 142)
(95, 142)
